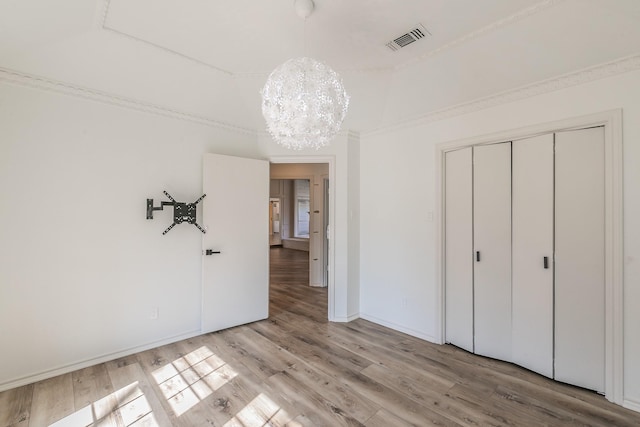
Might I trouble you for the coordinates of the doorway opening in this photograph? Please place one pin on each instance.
(300, 212)
(290, 214)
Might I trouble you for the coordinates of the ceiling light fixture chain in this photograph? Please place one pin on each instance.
(303, 100)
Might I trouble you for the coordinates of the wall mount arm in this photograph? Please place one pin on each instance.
(182, 212)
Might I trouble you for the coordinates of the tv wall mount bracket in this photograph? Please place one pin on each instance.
(182, 212)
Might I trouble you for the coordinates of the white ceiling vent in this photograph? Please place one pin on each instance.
(411, 36)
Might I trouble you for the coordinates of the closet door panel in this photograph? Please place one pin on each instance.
(459, 249)
(579, 266)
(492, 245)
(532, 240)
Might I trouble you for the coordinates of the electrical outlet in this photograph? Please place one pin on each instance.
(154, 313)
(404, 302)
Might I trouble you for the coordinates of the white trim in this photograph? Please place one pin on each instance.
(634, 405)
(439, 242)
(614, 253)
(50, 373)
(50, 85)
(609, 69)
(330, 160)
(397, 327)
(614, 301)
(574, 78)
(347, 319)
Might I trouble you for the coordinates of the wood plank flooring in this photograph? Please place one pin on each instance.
(297, 369)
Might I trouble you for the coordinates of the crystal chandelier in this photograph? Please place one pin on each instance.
(303, 100)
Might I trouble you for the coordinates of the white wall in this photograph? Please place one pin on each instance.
(80, 266)
(397, 241)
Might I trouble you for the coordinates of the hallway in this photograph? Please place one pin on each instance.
(289, 288)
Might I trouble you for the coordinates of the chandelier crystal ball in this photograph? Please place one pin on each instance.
(304, 103)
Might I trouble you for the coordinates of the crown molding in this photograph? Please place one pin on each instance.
(586, 75)
(352, 134)
(609, 69)
(50, 85)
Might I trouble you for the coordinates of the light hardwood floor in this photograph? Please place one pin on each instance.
(298, 369)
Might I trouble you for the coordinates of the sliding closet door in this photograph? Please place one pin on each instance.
(532, 279)
(579, 267)
(459, 249)
(492, 245)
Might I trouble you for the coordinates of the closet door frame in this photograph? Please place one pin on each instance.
(614, 307)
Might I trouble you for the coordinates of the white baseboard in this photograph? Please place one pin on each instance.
(346, 319)
(400, 328)
(317, 285)
(296, 243)
(50, 373)
(631, 404)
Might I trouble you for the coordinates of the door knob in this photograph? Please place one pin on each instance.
(211, 252)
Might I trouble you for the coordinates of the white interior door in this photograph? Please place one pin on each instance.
(459, 248)
(532, 240)
(492, 245)
(580, 257)
(235, 281)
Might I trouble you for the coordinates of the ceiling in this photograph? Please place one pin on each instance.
(208, 59)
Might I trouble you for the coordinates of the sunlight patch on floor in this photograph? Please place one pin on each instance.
(129, 404)
(261, 411)
(191, 378)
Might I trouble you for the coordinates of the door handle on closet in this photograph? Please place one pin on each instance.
(477, 256)
(545, 262)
